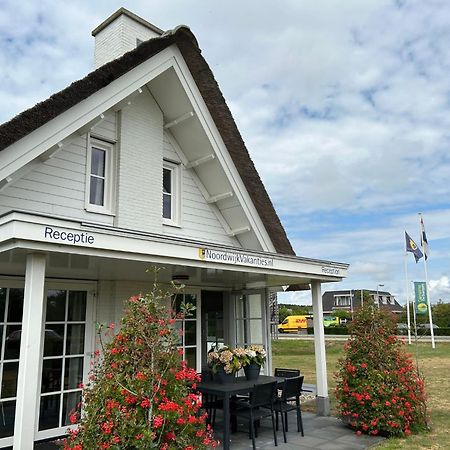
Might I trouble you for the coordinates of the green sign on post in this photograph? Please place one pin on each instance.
(420, 289)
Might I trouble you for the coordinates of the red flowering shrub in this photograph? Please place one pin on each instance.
(141, 395)
(379, 390)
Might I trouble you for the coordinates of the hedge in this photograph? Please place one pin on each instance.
(420, 331)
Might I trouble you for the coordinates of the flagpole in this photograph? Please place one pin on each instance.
(407, 298)
(425, 256)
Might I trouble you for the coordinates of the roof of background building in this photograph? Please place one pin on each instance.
(43, 112)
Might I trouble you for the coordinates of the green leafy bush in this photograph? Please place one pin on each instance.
(141, 395)
(379, 390)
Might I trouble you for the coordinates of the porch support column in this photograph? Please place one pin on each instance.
(322, 399)
(30, 353)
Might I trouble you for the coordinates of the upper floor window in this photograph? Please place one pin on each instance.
(171, 193)
(99, 192)
(342, 300)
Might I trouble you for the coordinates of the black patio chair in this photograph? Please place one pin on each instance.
(259, 405)
(286, 373)
(290, 401)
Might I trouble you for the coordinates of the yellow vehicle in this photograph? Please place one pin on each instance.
(293, 323)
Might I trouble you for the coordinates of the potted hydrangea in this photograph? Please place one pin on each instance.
(224, 363)
(254, 357)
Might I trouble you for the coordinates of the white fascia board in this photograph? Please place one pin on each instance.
(20, 230)
(38, 141)
(221, 151)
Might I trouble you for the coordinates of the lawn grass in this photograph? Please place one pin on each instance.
(434, 364)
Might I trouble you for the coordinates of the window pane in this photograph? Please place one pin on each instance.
(96, 194)
(77, 306)
(179, 331)
(51, 375)
(190, 332)
(2, 304)
(167, 206)
(167, 181)
(49, 413)
(12, 344)
(56, 306)
(9, 379)
(73, 373)
(70, 405)
(191, 357)
(75, 340)
(98, 159)
(177, 300)
(15, 307)
(54, 339)
(8, 414)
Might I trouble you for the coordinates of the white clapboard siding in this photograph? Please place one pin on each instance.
(198, 220)
(56, 186)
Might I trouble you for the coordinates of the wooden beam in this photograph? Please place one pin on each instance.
(51, 152)
(5, 183)
(180, 119)
(127, 101)
(237, 231)
(216, 198)
(199, 161)
(90, 125)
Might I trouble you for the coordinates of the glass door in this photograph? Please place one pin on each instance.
(11, 308)
(65, 361)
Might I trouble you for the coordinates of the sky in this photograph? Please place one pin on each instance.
(344, 107)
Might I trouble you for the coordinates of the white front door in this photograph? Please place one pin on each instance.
(67, 346)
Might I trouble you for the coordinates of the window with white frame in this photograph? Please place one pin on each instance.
(99, 174)
(342, 300)
(171, 193)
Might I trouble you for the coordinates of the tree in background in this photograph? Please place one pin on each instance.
(367, 298)
(379, 390)
(441, 314)
(141, 394)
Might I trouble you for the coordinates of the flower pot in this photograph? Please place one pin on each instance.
(222, 377)
(252, 371)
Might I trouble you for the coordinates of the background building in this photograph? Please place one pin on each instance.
(349, 300)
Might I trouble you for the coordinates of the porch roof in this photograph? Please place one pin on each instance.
(104, 252)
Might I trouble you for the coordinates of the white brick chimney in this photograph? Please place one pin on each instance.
(120, 33)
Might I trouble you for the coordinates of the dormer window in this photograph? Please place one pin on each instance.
(99, 177)
(171, 193)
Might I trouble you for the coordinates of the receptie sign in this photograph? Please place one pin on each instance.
(68, 237)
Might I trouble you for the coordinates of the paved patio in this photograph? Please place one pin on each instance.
(321, 433)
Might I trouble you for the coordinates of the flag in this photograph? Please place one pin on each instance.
(423, 239)
(412, 247)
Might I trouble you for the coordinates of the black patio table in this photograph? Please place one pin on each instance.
(227, 390)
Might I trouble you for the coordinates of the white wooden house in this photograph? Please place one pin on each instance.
(140, 163)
